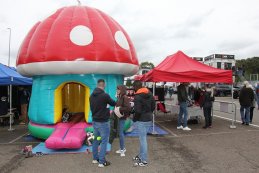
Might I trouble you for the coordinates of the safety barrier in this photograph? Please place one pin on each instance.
(224, 107)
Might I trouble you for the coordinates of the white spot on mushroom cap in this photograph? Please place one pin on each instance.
(81, 35)
(121, 40)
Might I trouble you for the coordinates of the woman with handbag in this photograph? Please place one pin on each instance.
(122, 110)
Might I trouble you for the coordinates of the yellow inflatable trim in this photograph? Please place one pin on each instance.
(72, 95)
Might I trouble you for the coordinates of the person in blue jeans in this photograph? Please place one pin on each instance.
(122, 110)
(246, 98)
(144, 105)
(182, 100)
(257, 94)
(101, 114)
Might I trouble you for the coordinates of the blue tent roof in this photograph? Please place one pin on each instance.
(9, 76)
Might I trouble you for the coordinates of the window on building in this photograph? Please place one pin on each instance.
(219, 65)
(227, 66)
(144, 71)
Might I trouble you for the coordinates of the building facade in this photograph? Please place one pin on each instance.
(220, 61)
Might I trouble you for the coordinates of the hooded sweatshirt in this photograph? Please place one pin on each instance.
(99, 101)
(144, 105)
(123, 102)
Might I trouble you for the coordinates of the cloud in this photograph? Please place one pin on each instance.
(235, 45)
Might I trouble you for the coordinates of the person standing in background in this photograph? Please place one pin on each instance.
(24, 101)
(246, 98)
(252, 105)
(206, 104)
(182, 100)
(257, 94)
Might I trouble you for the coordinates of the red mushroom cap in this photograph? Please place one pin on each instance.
(77, 40)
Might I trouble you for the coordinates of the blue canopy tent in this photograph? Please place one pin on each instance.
(9, 76)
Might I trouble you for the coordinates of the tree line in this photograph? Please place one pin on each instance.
(250, 65)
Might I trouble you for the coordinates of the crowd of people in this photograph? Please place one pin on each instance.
(144, 105)
(204, 97)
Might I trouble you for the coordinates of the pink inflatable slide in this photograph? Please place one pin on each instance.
(67, 135)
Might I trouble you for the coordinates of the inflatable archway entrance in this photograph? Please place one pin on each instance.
(73, 96)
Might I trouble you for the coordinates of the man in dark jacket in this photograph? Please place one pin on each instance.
(206, 104)
(144, 105)
(99, 104)
(182, 100)
(246, 98)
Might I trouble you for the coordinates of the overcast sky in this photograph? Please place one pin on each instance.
(157, 28)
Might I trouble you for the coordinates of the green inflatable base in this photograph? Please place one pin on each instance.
(40, 132)
(44, 132)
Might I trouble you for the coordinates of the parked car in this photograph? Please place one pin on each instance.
(223, 90)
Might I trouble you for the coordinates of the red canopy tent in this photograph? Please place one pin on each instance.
(181, 68)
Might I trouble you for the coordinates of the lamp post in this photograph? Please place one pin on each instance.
(10, 87)
(10, 33)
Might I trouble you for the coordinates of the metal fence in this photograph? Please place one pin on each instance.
(228, 108)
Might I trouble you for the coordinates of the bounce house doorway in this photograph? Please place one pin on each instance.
(72, 98)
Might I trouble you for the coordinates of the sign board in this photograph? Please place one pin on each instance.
(223, 56)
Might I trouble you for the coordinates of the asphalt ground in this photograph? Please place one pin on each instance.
(218, 149)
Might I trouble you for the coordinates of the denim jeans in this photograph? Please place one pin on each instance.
(143, 128)
(183, 111)
(100, 129)
(121, 133)
(245, 114)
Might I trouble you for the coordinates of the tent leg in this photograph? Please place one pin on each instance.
(233, 126)
(10, 109)
(153, 131)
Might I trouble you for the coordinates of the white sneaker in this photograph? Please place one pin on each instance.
(187, 128)
(95, 161)
(122, 154)
(121, 151)
(106, 163)
(179, 127)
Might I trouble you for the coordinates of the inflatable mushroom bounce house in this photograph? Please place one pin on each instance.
(66, 54)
